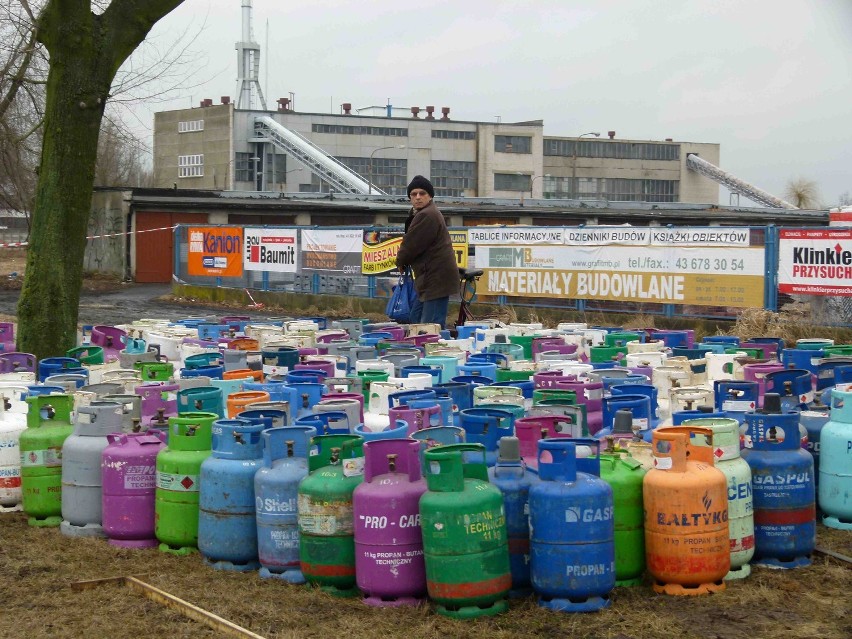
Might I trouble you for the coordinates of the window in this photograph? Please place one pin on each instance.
(275, 168)
(512, 144)
(611, 149)
(190, 126)
(388, 174)
(452, 179)
(511, 182)
(191, 165)
(359, 130)
(446, 134)
(243, 167)
(613, 189)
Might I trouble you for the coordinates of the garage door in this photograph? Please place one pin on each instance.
(155, 249)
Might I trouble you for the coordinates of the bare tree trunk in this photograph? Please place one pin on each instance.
(86, 51)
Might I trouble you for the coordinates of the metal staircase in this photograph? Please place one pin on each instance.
(324, 166)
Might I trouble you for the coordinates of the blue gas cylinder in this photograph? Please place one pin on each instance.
(510, 475)
(835, 489)
(227, 530)
(276, 489)
(795, 386)
(783, 487)
(572, 547)
(813, 421)
(486, 426)
(735, 398)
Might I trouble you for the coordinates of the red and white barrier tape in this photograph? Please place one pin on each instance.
(94, 237)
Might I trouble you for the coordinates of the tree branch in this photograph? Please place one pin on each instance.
(20, 75)
(127, 23)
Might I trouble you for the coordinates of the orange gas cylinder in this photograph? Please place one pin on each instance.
(242, 373)
(238, 402)
(244, 344)
(686, 514)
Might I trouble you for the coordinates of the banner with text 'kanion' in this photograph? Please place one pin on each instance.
(711, 266)
(215, 251)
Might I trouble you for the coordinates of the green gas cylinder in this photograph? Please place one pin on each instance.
(465, 543)
(326, 527)
(155, 371)
(624, 474)
(48, 424)
(566, 396)
(178, 470)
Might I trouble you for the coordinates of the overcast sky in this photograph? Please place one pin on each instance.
(769, 80)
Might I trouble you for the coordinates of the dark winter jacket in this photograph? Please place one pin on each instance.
(427, 248)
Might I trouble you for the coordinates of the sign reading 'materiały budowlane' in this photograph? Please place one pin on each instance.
(703, 266)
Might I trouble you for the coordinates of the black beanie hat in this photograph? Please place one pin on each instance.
(420, 182)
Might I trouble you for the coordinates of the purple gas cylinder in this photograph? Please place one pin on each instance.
(129, 476)
(389, 564)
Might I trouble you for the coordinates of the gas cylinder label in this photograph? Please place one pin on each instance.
(177, 483)
(140, 477)
(489, 524)
(353, 467)
(285, 538)
(663, 463)
(393, 559)
(269, 369)
(325, 517)
(10, 477)
(47, 457)
(738, 405)
(575, 514)
(641, 423)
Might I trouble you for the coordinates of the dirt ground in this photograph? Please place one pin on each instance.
(38, 566)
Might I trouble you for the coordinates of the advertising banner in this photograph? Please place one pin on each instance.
(589, 266)
(378, 252)
(215, 251)
(815, 261)
(332, 251)
(459, 240)
(271, 250)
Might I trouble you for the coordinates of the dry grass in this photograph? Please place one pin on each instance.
(791, 324)
(37, 567)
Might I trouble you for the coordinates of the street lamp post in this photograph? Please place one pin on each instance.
(370, 165)
(532, 182)
(574, 164)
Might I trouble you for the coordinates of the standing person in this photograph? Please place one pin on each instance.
(426, 247)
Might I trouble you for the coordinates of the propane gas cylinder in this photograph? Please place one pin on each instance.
(12, 425)
(464, 534)
(513, 479)
(572, 549)
(835, 488)
(726, 451)
(178, 469)
(276, 485)
(326, 528)
(48, 425)
(624, 475)
(686, 514)
(81, 468)
(389, 561)
(129, 475)
(783, 486)
(227, 528)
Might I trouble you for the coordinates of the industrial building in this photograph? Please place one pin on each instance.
(222, 147)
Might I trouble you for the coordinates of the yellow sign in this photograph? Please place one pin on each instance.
(378, 257)
(704, 289)
(459, 240)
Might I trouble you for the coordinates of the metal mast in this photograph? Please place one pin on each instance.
(736, 185)
(248, 65)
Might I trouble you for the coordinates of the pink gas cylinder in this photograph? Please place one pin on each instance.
(389, 564)
(529, 430)
(159, 399)
(129, 474)
(757, 372)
